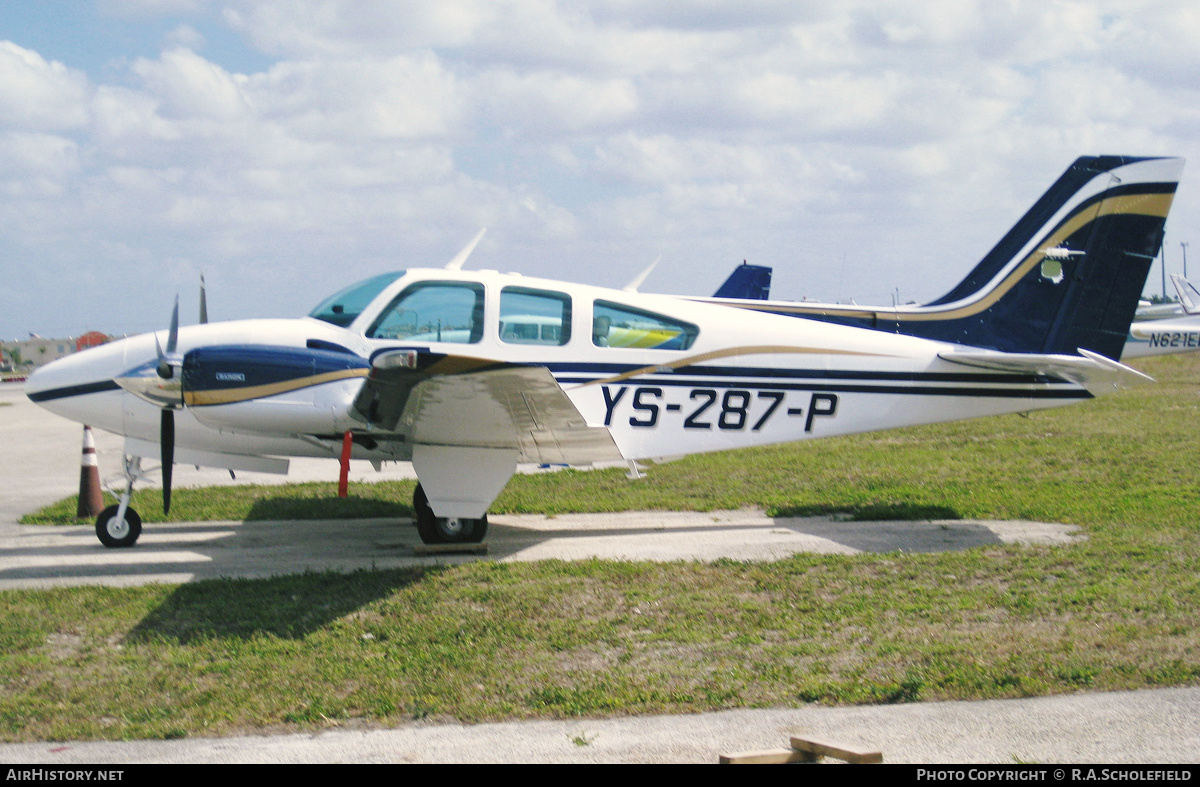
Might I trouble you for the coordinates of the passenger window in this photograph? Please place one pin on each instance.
(529, 316)
(434, 311)
(614, 325)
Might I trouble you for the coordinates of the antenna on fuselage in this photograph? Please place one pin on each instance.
(641, 277)
(457, 263)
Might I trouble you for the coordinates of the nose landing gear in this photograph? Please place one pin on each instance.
(120, 525)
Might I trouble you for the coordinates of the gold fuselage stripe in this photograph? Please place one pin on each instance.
(232, 395)
(766, 349)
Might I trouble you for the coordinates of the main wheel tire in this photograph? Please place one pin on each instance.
(420, 504)
(118, 533)
(435, 529)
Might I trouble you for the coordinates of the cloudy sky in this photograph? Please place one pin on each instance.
(286, 148)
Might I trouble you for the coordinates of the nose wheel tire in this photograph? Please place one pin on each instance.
(114, 532)
(435, 529)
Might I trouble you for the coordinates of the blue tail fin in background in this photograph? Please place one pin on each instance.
(748, 282)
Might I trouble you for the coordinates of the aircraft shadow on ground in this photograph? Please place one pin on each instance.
(289, 607)
(283, 507)
(874, 512)
(507, 540)
(898, 527)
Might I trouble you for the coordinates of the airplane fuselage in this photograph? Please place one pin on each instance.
(665, 376)
(1163, 336)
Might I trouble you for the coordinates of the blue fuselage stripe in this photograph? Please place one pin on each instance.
(913, 390)
(73, 390)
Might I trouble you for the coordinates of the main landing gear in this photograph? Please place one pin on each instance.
(435, 529)
(120, 525)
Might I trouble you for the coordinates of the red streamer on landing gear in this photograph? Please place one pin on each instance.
(344, 477)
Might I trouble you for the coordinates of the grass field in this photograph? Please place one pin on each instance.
(490, 641)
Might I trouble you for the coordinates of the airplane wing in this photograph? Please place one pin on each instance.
(1096, 373)
(454, 401)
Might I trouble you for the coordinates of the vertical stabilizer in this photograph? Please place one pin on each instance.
(1066, 277)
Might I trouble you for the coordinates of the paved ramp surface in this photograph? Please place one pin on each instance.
(1120, 727)
(37, 556)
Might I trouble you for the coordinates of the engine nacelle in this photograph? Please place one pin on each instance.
(255, 388)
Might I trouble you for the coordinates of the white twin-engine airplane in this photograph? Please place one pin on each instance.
(467, 374)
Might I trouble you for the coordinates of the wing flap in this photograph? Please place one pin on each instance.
(484, 405)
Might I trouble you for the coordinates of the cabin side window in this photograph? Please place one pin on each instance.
(433, 311)
(529, 316)
(614, 325)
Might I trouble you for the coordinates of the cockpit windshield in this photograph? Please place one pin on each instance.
(344, 307)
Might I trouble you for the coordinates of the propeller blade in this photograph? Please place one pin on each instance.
(203, 302)
(164, 366)
(167, 442)
(173, 336)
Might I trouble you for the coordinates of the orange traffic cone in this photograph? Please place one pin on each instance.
(91, 502)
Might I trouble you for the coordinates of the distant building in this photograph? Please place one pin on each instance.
(27, 354)
(91, 339)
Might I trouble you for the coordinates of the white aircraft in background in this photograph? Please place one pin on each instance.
(467, 374)
(1178, 332)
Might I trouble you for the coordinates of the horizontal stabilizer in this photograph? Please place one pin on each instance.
(1098, 374)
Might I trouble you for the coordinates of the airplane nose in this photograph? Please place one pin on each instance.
(81, 386)
(34, 383)
(43, 381)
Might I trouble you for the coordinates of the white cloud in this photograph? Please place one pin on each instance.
(855, 146)
(39, 95)
(547, 105)
(319, 28)
(36, 165)
(405, 97)
(188, 86)
(185, 37)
